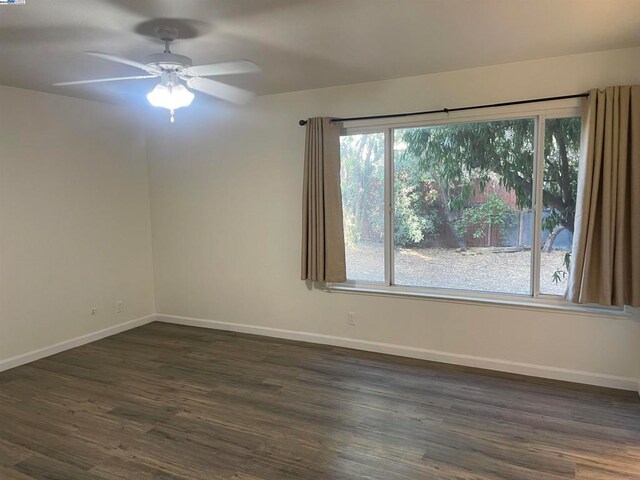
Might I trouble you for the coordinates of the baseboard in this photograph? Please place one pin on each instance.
(74, 342)
(542, 371)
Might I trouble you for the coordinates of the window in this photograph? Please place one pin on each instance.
(362, 179)
(560, 188)
(463, 211)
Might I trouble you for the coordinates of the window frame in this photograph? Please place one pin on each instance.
(539, 113)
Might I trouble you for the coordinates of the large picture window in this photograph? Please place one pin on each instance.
(483, 206)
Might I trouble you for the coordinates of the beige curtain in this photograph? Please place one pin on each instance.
(605, 265)
(322, 230)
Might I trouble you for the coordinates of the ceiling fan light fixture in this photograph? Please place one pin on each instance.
(175, 71)
(170, 95)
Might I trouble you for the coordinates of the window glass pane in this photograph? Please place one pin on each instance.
(462, 206)
(560, 185)
(362, 177)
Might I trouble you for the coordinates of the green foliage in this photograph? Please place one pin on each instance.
(482, 217)
(362, 176)
(561, 273)
(362, 181)
(416, 219)
(560, 181)
(458, 156)
(462, 158)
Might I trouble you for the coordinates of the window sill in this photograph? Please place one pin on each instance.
(528, 303)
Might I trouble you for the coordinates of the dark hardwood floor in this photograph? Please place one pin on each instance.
(170, 402)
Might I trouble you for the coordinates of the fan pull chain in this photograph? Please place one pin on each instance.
(172, 117)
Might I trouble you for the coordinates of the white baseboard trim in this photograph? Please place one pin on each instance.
(555, 373)
(74, 342)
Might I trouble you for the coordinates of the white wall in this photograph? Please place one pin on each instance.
(226, 189)
(74, 219)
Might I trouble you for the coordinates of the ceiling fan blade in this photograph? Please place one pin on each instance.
(126, 61)
(220, 90)
(100, 80)
(224, 68)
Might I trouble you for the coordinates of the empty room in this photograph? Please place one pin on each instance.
(319, 239)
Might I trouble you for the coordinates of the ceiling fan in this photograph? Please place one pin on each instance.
(173, 70)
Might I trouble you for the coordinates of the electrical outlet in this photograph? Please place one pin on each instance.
(119, 306)
(94, 311)
(351, 318)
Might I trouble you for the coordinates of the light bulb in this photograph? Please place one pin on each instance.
(158, 95)
(182, 96)
(170, 96)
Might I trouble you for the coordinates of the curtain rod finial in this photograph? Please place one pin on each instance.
(302, 123)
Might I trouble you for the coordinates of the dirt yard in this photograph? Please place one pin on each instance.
(485, 269)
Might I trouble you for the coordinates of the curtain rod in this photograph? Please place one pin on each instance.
(457, 109)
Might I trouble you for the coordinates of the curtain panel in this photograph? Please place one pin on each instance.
(323, 250)
(605, 264)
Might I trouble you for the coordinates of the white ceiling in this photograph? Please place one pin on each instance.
(300, 44)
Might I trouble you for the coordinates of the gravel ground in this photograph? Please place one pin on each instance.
(476, 269)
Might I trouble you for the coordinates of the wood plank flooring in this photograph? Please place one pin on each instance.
(168, 402)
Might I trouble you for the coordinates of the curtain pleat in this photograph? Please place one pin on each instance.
(605, 264)
(323, 252)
